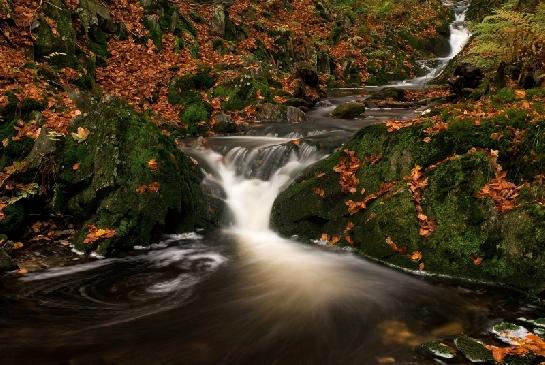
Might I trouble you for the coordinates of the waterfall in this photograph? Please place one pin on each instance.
(459, 36)
(252, 177)
(283, 277)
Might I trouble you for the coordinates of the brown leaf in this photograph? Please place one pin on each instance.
(152, 165)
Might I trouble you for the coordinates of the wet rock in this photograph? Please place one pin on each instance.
(349, 110)
(224, 124)
(388, 93)
(473, 350)
(465, 78)
(438, 350)
(276, 113)
(509, 332)
(6, 263)
(299, 103)
(130, 178)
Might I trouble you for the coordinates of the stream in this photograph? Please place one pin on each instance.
(243, 294)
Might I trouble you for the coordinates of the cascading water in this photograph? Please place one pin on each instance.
(459, 36)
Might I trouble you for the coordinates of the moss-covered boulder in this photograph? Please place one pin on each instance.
(278, 113)
(348, 110)
(416, 201)
(6, 263)
(126, 181)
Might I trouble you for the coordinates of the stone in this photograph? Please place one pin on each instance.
(509, 332)
(465, 76)
(218, 19)
(277, 113)
(395, 94)
(224, 124)
(438, 349)
(115, 188)
(6, 262)
(349, 110)
(473, 350)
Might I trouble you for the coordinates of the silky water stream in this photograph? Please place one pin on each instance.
(242, 294)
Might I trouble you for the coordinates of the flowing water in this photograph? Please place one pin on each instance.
(458, 38)
(243, 294)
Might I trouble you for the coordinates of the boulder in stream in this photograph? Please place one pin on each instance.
(473, 350)
(6, 263)
(278, 113)
(349, 110)
(126, 181)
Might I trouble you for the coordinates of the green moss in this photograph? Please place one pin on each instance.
(113, 166)
(473, 350)
(59, 47)
(467, 227)
(195, 113)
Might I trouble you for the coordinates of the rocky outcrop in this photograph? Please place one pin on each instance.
(422, 203)
(127, 177)
(465, 79)
(116, 177)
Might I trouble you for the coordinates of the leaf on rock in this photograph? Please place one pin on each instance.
(81, 134)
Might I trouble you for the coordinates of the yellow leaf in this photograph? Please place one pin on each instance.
(81, 135)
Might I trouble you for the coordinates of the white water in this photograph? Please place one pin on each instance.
(459, 36)
(283, 277)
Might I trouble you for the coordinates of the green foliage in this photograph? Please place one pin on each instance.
(196, 112)
(505, 95)
(510, 36)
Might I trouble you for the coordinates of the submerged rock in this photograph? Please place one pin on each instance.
(348, 110)
(473, 350)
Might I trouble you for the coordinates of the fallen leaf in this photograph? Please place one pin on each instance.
(81, 135)
(76, 166)
(152, 165)
(17, 246)
(416, 256)
(319, 191)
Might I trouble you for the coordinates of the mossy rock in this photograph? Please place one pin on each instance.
(126, 175)
(349, 110)
(55, 36)
(6, 262)
(471, 238)
(473, 350)
(436, 349)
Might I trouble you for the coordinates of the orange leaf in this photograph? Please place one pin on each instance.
(152, 165)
